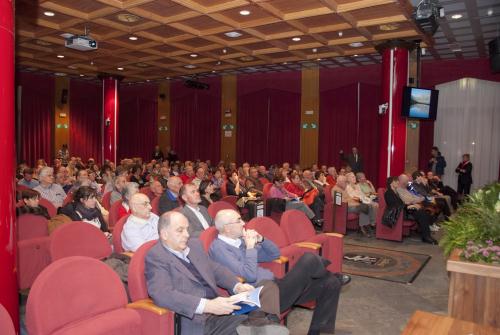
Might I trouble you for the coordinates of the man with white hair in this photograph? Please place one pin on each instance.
(48, 189)
(119, 184)
(141, 225)
(240, 250)
(169, 198)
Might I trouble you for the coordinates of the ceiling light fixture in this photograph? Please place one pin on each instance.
(193, 55)
(119, 68)
(355, 55)
(218, 63)
(490, 12)
(60, 56)
(82, 75)
(314, 50)
(318, 59)
(340, 34)
(244, 12)
(356, 44)
(296, 39)
(47, 13)
(168, 78)
(233, 34)
(133, 38)
(457, 50)
(190, 66)
(213, 71)
(456, 16)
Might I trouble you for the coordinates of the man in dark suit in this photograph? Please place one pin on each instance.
(197, 215)
(354, 160)
(168, 200)
(181, 277)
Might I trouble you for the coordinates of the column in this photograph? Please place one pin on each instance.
(392, 147)
(164, 114)
(8, 239)
(309, 117)
(229, 116)
(110, 111)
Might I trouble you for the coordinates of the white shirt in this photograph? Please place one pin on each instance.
(233, 242)
(137, 231)
(196, 211)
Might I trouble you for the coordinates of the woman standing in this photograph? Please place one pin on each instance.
(464, 170)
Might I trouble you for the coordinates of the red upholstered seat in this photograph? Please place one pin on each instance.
(208, 236)
(31, 226)
(298, 228)
(276, 216)
(218, 206)
(79, 295)
(231, 199)
(328, 193)
(117, 234)
(155, 320)
(113, 214)
(106, 200)
(396, 233)
(79, 239)
(223, 188)
(6, 325)
(50, 207)
(147, 191)
(155, 206)
(343, 220)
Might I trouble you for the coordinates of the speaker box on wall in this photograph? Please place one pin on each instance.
(494, 46)
(64, 96)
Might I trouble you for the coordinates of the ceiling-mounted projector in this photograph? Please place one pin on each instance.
(426, 15)
(81, 43)
(196, 84)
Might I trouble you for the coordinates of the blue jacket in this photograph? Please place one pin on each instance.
(440, 165)
(243, 262)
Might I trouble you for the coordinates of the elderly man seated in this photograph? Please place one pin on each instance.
(181, 277)
(197, 215)
(48, 189)
(141, 225)
(27, 179)
(241, 250)
(168, 200)
(119, 184)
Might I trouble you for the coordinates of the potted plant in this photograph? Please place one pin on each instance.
(471, 239)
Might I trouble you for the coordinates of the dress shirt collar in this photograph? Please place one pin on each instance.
(183, 255)
(172, 194)
(231, 241)
(141, 220)
(194, 209)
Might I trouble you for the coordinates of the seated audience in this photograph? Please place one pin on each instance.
(217, 179)
(331, 178)
(48, 189)
(181, 277)
(27, 179)
(437, 185)
(199, 176)
(119, 184)
(207, 191)
(320, 180)
(234, 186)
(130, 189)
(156, 189)
(136, 176)
(397, 195)
(354, 205)
(252, 182)
(157, 153)
(164, 175)
(197, 215)
(188, 175)
(421, 186)
(309, 196)
(84, 208)
(169, 198)
(82, 179)
(141, 225)
(30, 199)
(242, 250)
(365, 185)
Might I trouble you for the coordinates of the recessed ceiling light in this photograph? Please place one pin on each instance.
(490, 12)
(296, 39)
(73, 67)
(314, 50)
(60, 74)
(193, 55)
(456, 16)
(213, 71)
(224, 51)
(190, 66)
(457, 50)
(119, 68)
(82, 75)
(355, 55)
(133, 38)
(60, 56)
(285, 63)
(168, 78)
(340, 34)
(244, 12)
(218, 63)
(47, 13)
(318, 59)
(233, 34)
(356, 44)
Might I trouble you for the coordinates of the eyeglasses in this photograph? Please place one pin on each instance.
(145, 203)
(238, 220)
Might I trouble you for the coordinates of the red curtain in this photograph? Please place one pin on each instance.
(268, 125)
(138, 121)
(85, 103)
(195, 123)
(36, 122)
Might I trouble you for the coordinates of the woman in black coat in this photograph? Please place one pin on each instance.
(84, 208)
(413, 212)
(464, 170)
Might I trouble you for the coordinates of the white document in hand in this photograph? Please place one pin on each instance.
(251, 297)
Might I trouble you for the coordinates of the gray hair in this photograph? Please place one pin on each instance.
(45, 171)
(222, 218)
(166, 219)
(130, 189)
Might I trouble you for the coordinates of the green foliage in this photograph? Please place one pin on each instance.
(477, 220)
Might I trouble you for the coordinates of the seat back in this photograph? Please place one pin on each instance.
(31, 226)
(77, 288)
(106, 200)
(266, 189)
(231, 199)
(136, 279)
(117, 234)
(51, 209)
(147, 191)
(217, 206)
(328, 193)
(269, 229)
(264, 180)
(6, 325)
(208, 236)
(296, 226)
(78, 239)
(113, 213)
(223, 188)
(155, 206)
(328, 217)
(382, 231)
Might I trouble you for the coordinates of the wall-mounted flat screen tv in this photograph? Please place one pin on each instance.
(419, 103)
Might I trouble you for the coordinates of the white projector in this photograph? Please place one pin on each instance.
(82, 43)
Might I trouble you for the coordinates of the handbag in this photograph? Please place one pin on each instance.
(391, 216)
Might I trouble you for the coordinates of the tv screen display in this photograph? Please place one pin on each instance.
(420, 103)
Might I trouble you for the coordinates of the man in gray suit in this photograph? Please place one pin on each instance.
(197, 215)
(181, 277)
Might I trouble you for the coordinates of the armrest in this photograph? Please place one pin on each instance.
(281, 260)
(128, 253)
(148, 305)
(310, 245)
(334, 235)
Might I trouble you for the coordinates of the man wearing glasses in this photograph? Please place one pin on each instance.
(141, 225)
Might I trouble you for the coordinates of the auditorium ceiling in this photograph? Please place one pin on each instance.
(147, 40)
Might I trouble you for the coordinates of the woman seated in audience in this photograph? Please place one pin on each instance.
(128, 191)
(365, 185)
(354, 191)
(331, 178)
(309, 196)
(207, 193)
(84, 208)
(233, 185)
(217, 179)
(292, 201)
(136, 175)
(320, 179)
(30, 199)
(93, 182)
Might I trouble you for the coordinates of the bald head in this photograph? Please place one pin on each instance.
(174, 184)
(229, 223)
(173, 230)
(140, 206)
(403, 180)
